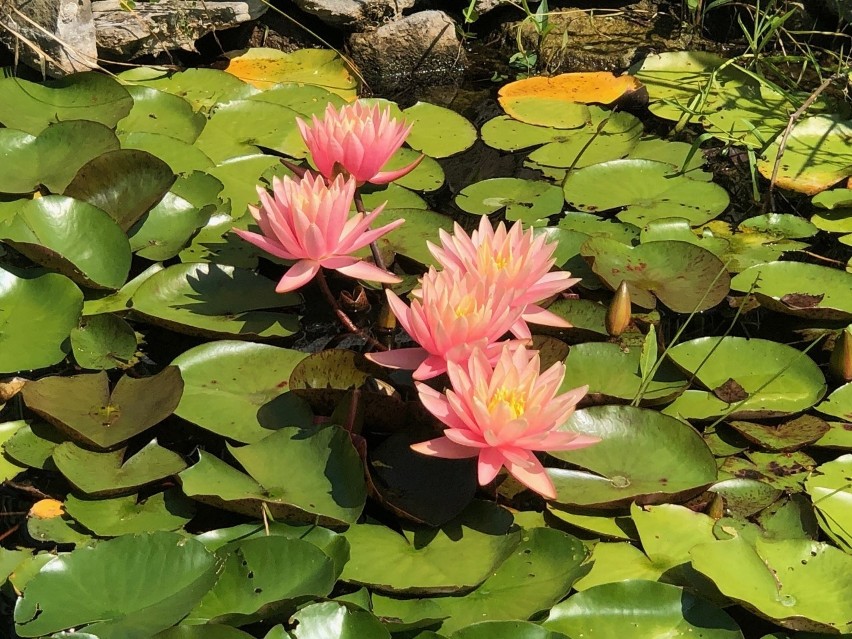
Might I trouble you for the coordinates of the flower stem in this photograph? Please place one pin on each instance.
(343, 317)
(387, 325)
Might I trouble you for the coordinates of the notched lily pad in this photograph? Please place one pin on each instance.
(524, 200)
(788, 436)
(85, 408)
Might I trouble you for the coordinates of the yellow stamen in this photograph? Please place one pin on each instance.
(514, 400)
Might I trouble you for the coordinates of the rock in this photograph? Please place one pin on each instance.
(355, 14)
(419, 49)
(484, 6)
(156, 27)
(61, 41)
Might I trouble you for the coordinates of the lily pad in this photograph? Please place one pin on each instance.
(93, 96)
(803, 290)
(179, 155)
(74, 237)
(240, 390)
(614, 374)
(438, 132)
(540, 572)
(524, 200)
(32, 445)
(215, 300)
(305, 475)
(124, 184)
(798, 583)
(830, 488)
(603, 524)
(264, 574)
(34, 334)
(816, 155)
(791, 435)
(84, 407)
(159, 112)
(458, 556)
(682, 276)
(164, 575)
(649, 608)
(124, 516)
(642, 191)
(103, 341)
(745, 496)
(202, 88)
(264, 67)
(9, 468)
(410, 238)
(332, 620)
(508, 134)
(506, 630)
(784, 224)
(110, 474)
(746, 378)
(53, 157)
(620, 472)
(427, 177)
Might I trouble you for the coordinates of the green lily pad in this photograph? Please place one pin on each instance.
(215, 300)
(791, 435)
(617, 562)
(678, 229)
(303, 475)
(202, 88)
(506, 630)
(264, 575)
(427, 177)
(169, 510)
(332, 620)
(746, 378)
(790, 518)
(240, 127)
(438, 132)
(835, 214)
(73, 237)
(596, 226)
(31, 107)
(124, 184)
(240, 390)
(84, 407)
(674, 154)
(33, 444)
(118, 302)
(607, 136)
(507, 134)
(839, 436)
(110, 473)
(785, 471)
(830, 488)
(61, 530)
(588, 319)
(783, 224)
(241, 176)
(682, 276)
(181, 156)
(34, 334)
(460, 555)
(392, 196)
(614, 374)
(53, 157)
(159, 112)
(103, 342)
(607, 525)
(642, 191)
(540, 572)
(803, 290)
(684, 467)
(816, 154)
(306, 99)
(746, 247)
(798, 583)
(524, 200)
(543, 111)
(9, 468)
(163, 576)
(750, 115)
(839, 403)
(206, 631)
(649, 608)
(410, 238)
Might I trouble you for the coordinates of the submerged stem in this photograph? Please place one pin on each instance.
(343, 317)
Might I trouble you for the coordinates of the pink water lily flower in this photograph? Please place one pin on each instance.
(502, 413)
(514, 260)
(451, 316)
(358, 139)
(309, 221)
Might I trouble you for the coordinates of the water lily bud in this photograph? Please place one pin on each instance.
(618, 314)
(840, 363)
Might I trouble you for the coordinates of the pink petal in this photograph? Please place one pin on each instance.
(538, 315)
(557, 441)
(266, 244)
(361, 270)
(383, 177)
(443, 447)
(490, 463)
(431, 367)
(297, 276)
(436, 403)
(520, 329)
(464, 437)
(401, 358)
(531, 474)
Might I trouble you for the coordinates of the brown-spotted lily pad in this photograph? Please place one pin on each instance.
(682, 276)
(788, 436)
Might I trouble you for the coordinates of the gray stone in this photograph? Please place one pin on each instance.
(355, 14)
(56, 35)
(419, 49)
(158, 27)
